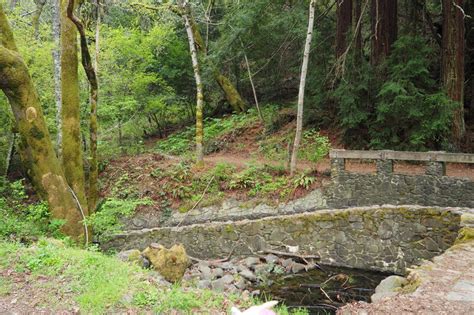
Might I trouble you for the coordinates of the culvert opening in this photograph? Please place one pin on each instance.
(322, 291)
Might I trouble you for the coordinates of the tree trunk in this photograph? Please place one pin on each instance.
(71, 132)
(253, 88)
(304, 69)
(94, 89)
(57, 71)
(453, 62)
(231, 94)
(199, 86)
(39, 157)
(11, 146)
(343, 25)
(384, 15)
(36, 16)
(357, 29)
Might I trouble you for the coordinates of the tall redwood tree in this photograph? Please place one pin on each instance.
(384, 25)
(452, 70)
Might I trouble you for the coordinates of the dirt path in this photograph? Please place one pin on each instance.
(447, 288)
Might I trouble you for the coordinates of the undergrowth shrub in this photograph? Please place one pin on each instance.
(22, 220)
(108, 218)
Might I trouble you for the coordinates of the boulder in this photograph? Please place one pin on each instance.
(132, 255)
(388, 287)
(170, 263)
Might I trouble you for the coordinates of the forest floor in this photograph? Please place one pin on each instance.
(244, 164)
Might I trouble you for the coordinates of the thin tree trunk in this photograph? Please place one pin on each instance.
(11, 146)
(357, 29)
(253, 86)
(453, 62)
(94, 88)
(199, 86)
(343, 25)
(57, 71)
(304, 70)
(36, 16)
(38, 153)
(70, 112)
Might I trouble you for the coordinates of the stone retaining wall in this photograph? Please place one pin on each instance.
(385, 238)
(433, 188)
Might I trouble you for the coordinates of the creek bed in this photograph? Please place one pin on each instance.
(322, 291)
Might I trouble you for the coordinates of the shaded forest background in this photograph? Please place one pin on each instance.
(382, 74)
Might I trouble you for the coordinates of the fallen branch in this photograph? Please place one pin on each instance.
(279, 253)
(214, 262)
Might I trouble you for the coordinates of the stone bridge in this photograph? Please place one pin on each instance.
(373, 236)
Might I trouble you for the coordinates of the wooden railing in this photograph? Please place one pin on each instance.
(435, 160)
(433, 156)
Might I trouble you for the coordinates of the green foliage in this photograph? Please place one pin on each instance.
(304, 181)
(411, 112)
(100, 284)
(183, 141)
(107, 220)
(314, 146)
(21, 219)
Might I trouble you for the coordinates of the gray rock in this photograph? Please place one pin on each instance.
(204, 284)
(287, 262)
(222, 283)
(296, 267)
(247, 274)
(251, 261)
(388, 287)
(206, 273)
(131, 255)
(241, 284)
(217, 273)
(271, 259)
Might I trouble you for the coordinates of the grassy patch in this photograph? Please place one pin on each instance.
(102, 284)
(5, 286)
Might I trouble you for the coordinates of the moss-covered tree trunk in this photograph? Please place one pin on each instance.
(72, 159)
(231, 94)
(36, 16)
(199, 86)
(38, 153)
(93, 195)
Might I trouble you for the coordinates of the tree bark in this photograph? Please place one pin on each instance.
(357, 29)
(453, 62)
(36, 16)
(232, 95)
(11, 146)
(343, 25)
(57, 71)
(304, 70)
(38, 153)
(199, 86)
(71, 132)
(384, 22)
(94, 89)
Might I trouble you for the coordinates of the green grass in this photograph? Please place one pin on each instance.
(99, 284)
(5, 286)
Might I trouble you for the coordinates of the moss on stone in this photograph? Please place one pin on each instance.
(466, 234)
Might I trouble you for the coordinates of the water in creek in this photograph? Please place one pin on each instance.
(323, 291)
